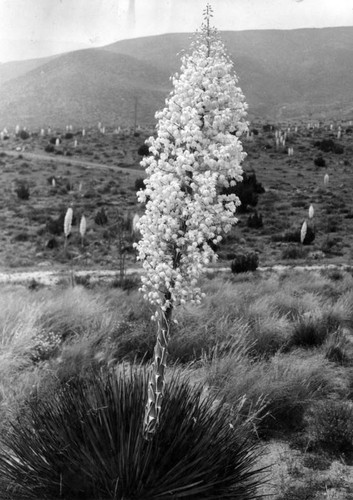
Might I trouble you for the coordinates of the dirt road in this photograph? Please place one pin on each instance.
(73, 161)
(52, 277)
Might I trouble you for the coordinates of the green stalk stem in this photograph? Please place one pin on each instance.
(157, 377)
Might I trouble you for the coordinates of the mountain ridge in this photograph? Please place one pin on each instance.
(284, 74)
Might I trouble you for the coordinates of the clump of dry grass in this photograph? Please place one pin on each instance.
(289, 383)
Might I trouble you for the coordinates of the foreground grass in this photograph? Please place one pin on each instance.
(277, 348)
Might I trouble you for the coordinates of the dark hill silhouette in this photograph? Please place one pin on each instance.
(283, 73)
(83, 87)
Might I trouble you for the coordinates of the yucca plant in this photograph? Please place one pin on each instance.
(86, 441)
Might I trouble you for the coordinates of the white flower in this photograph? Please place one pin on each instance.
(196, 153)
(303, 232)
(83, 226)
(68, 222)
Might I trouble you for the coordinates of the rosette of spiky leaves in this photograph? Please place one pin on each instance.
(196, 152)
(86, 441)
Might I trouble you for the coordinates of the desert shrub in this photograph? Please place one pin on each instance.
(101, 217)
(68, 135)
(333, 223)
(139, 184)
(329, 244)
(255, 221)
(243, 263)
(312, 329)
(331, 426)
(320, 161)
(45, 345)
(337, 348)
(267, 332)
(22, 191)
(287, 382)
(267, 127)
(247, 191)
(22, 236)
(294, 252)
(339, 149)
(326, 145)
(56, 226)
(52, 243)
(23, 134)
(143, 150)
(293, 235)
(85, 441)
(49, 148)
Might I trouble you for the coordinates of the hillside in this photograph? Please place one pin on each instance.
(284, 74)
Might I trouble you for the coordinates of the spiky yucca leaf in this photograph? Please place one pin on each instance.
(86, 442)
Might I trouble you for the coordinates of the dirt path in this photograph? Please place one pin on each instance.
(73, 161)
(53, 277)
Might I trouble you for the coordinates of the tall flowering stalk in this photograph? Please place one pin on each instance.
(68, 224)
(196, 153)
(83, 227)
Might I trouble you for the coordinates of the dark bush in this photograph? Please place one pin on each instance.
(243, 263)
(267, 127)
(53, 140)
(329, 146)
(68, 135)
(332, 426)
(310, 331)
(22, 191)
(21, 237)
(56, 226)
(333, 223)
(23, 134)
(85, 441)
(247, 191)
(320, 161)
(143, 150)
(52, 243)
(294, 252)
(139, 184)
(293, 235)
(49, 148)
(101, 217)
(255, 221)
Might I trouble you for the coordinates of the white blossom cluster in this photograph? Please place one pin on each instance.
(196, 152)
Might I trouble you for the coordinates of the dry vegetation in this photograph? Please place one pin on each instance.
(277, 347)
(101, 173)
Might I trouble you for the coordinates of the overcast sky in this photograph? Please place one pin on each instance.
(35, 28)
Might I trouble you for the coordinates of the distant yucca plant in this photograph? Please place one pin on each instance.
(303, 232)
(83, 227)
(311, 212)
(68, 222)
(86, 441)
